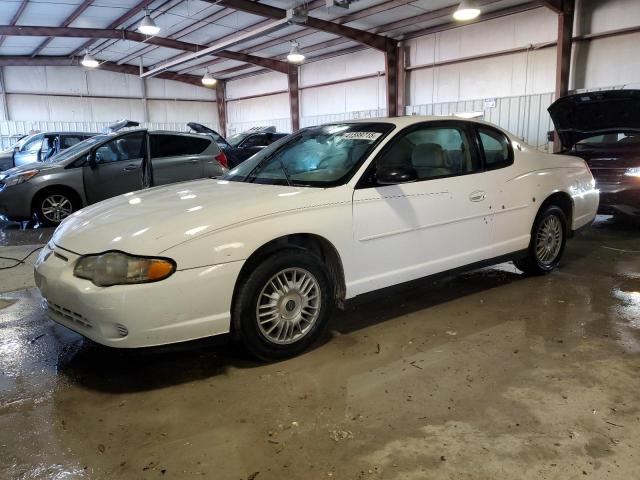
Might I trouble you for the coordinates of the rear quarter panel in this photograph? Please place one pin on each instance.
(531, 180)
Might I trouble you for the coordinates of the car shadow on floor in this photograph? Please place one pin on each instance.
(121, 371)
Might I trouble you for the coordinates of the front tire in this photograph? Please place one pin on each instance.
(53, 206)
(548, 239)
(283, 305)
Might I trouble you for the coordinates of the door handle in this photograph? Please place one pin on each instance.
(130, 168)
(477, 196)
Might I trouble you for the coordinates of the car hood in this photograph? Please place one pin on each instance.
(584, 115)
(148, 222)
(41, 167)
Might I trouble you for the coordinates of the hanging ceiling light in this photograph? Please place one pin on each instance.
(467, 10)
(295, 55)
(209, 80)
(89, 61)
(148, 26)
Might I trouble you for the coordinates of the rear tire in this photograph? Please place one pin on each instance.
(53, 206)
(283, 306)
(548, 239)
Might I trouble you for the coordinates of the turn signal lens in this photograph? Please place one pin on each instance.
(118, 268)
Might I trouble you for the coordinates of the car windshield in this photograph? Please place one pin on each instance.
(19, 144)
(234, 140)
(321, 156)
(72, 151)
(615, 140)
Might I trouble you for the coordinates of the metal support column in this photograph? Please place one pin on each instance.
(391, 74)
(221, 105)
(145, 107)
(3, 97)
(294, 97)
(401, 99)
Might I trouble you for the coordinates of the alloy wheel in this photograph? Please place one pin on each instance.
(56, 208)
(288, 306)
(549, 240)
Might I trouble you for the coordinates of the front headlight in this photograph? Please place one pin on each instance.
(118, 268)
(16, 178)
(633, 172)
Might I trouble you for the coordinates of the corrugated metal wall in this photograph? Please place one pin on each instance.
(525, 115)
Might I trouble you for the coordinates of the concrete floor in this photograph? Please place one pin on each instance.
(487, 375)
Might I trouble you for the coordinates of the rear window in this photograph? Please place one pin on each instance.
(164, 145)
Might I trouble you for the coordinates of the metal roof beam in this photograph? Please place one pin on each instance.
(133, 11)
(197, 50)
(369, 39)
(15, 18)
(68, 21)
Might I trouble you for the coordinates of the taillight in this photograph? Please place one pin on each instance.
(222, 160)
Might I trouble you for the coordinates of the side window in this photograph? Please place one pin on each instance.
(495, 146)
(34, 144)
(433, 152)
(67, 141)
(126, 147)
(165, 145)
(259, 140)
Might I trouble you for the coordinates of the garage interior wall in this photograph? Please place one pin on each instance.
(513, 87)
(74, 98)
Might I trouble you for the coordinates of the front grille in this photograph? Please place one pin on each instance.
(68, 314)
(609, 175)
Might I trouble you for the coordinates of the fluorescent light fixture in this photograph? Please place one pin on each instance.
(295, 55)
(209, 80)
(467, 10)
(89, 61)
(148, 26)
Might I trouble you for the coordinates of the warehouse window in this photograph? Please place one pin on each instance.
(163, 145)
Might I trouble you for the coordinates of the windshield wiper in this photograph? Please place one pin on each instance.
(284, 169)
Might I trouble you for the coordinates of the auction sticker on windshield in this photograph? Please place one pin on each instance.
(361, 135)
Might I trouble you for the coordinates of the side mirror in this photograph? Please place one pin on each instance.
(395, 174)
(91, 160)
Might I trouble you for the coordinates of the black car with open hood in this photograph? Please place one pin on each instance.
(603, 128)
(243, 145)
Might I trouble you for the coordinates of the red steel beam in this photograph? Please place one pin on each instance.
(68, 21)
(294, 97)
(221, 104)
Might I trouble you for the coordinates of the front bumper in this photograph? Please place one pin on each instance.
(15, 201)
(190, 304)
(619, 199)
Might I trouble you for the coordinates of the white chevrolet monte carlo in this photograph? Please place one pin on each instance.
(316, 218)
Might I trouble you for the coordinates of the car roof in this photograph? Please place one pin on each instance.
(413, 119)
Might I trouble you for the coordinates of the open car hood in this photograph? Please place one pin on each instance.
(584, 115)
(199, 128)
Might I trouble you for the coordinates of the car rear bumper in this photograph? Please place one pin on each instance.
(619, 199)
(190, 304)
